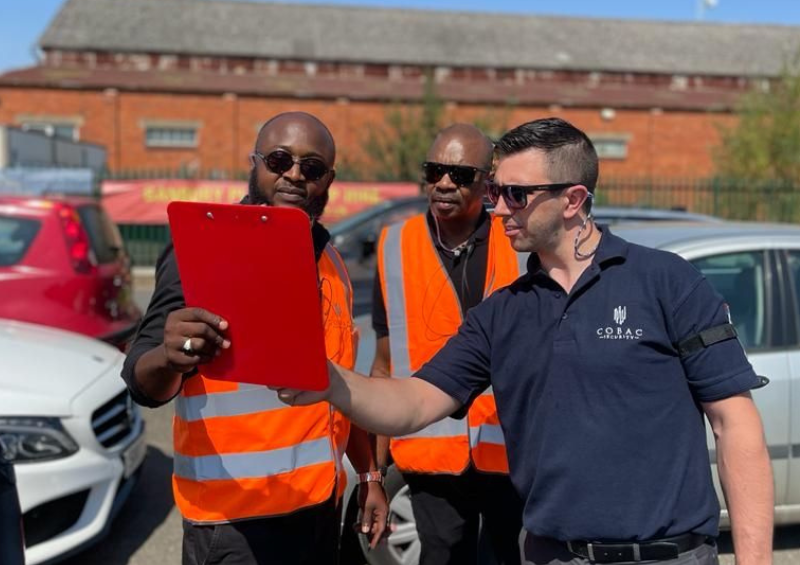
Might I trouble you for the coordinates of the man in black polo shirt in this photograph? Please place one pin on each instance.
(604, 358)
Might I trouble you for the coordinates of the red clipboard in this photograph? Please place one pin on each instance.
(255, 267)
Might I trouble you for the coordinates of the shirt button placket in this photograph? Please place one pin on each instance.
(560, 296)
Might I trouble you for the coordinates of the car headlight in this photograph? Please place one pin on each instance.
(28, 440)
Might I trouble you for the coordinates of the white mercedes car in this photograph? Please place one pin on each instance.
(69, 427)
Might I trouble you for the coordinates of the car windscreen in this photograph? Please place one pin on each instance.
(103, 233)
(16, 236)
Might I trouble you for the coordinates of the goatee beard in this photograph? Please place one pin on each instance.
(314, 206)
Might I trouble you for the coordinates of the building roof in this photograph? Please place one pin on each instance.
(370, 89)
(420, 37)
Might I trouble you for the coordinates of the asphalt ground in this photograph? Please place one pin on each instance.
(148, 529)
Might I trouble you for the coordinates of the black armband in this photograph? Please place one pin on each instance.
(705, 338)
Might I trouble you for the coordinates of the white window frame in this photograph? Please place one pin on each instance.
(150, 125)
(601, 140)
(48, 125)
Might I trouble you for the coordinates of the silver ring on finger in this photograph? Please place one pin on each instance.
(187, 346)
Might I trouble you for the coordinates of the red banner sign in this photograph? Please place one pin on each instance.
(145, 201)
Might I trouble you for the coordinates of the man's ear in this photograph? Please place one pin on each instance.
(332, 172)
(576, 196)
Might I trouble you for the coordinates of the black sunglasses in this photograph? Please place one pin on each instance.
(461, 175)
(280, 161)
(516, 195)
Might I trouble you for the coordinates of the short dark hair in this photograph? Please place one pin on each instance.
(569, 152)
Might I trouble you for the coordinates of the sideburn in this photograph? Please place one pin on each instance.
(256, 196)
(316, 205)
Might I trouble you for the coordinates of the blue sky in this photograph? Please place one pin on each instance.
(22, 22)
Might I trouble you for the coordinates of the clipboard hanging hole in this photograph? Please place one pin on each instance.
(263, 219)
(209, 215)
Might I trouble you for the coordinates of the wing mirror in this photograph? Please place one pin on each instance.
(368, 246)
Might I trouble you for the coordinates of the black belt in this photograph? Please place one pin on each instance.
(650, 550)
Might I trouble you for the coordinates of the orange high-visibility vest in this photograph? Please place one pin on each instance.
(423, 312)
(241, 453)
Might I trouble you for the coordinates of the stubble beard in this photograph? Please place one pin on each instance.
(544, 236)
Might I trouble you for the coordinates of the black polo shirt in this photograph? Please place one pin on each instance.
(605, 433)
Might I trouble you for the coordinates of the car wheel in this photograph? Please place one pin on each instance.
(402, 546)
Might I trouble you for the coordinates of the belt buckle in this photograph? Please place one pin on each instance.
(637, 552)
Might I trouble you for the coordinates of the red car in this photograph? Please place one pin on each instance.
(63, 264)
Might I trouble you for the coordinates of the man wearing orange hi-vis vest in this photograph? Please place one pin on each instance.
(432, 268)
(256, 481)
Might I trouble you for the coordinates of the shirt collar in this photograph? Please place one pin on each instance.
(479, 236)
(611, 247)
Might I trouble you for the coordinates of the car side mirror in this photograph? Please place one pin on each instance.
(368, 247)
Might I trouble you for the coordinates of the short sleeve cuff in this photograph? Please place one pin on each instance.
(729, 386)
(445, 383)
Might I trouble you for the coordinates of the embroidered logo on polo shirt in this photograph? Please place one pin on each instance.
(620, 331)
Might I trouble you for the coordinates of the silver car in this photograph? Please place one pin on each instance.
(756, 267)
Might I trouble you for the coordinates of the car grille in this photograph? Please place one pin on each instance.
(114, 421)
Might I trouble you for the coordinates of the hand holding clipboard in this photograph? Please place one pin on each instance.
(192, 337)
(253, 267)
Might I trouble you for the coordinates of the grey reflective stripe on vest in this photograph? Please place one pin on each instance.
(522, 261)
(486, 434)
(395, 301)
(247, 399)
(449, 427)
(338, 450)
(341, 270)
(252, 465)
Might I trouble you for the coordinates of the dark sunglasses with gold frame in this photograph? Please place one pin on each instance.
(280, 161)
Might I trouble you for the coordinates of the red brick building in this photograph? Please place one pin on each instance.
(168, 84)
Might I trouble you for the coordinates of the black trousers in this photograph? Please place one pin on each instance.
(450, 510)
(11, 542)
(305, 537)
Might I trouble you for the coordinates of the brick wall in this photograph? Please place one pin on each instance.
(660, 143)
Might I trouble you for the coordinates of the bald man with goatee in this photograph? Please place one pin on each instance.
(432, 269)
(255, 481)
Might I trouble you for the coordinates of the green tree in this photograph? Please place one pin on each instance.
(765, 144)
(396, 150)
(494, 121)
(758, 159)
